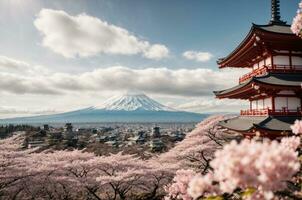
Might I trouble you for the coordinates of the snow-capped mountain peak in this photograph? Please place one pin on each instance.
(133, 102)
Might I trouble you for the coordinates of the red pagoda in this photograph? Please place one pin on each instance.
(273, 86)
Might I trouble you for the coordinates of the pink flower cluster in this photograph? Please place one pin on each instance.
(179, 186)
(203, 186)
(297, 127)
(196, 146)
(291, 142)
(264, 166)
(297, 22)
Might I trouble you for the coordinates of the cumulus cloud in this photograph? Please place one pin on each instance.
(180, 82)
(10, 65)
(210, 104)
(157, 52)
(16, 84)
(83, 35)
(20, 77)
(197, 56)
(8, 112)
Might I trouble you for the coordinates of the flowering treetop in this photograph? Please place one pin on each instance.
(297, 22)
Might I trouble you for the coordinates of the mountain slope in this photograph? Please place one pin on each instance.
(126, 108)
(132, 102)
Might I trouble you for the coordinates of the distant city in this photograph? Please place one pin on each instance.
(143, 139)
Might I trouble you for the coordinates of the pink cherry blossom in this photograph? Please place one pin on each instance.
(291, 142)
(253, 164)
(297, 127)
(297, 22)
(203, 186)
(179, 187)
(198, 148)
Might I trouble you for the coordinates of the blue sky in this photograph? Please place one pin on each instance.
(213, 27)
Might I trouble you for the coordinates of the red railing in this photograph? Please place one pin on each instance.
(266, 112)
(255, 112)
(269, 68)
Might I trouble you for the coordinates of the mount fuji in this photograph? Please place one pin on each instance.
(133, 102)
(127, 108)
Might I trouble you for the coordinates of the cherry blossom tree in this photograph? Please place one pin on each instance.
(198, 148)
(13, 161)
(297, 127)
(179, 187)
(297, 22)
(77, 175)
(250, 169)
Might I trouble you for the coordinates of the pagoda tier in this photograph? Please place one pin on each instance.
(264, 86)
(263, 43)
(275, 94)
(265, 69)
(267, 126)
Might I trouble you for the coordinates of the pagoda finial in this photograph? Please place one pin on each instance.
(276, 17)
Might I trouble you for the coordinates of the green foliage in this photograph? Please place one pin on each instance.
(213, 198)
(248, 192)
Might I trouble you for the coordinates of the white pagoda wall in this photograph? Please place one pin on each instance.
(268, 103)
(264, 62)
(255, 66)
(297, 60)
(281, 60)
(268, 61)
(262, 103)
(285, 60)
(292, 103)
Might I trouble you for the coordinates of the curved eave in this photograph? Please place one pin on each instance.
(269, 28)
(277, 123)
(253, 123)
(222, 62)
(242, 91)
(280, 80)
(241, 124)
(269, 81)
(246, 47)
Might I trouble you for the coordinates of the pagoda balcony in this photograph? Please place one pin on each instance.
(267, 112)
(271, 68)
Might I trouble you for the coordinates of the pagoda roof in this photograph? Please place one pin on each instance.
(270, 123)
(274, 28)
(260, 40)
(271, 80)
(242, 123)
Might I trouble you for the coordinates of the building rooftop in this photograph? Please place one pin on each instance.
(277, 80)
(245, 124)
(283, 29)
(271, 36)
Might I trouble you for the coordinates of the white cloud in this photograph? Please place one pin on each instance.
(10, 65)
(18, 84)
(8, 112)
(85, 36)
(180, 82)
(197, 56)
(210, 104)
(157, 52)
